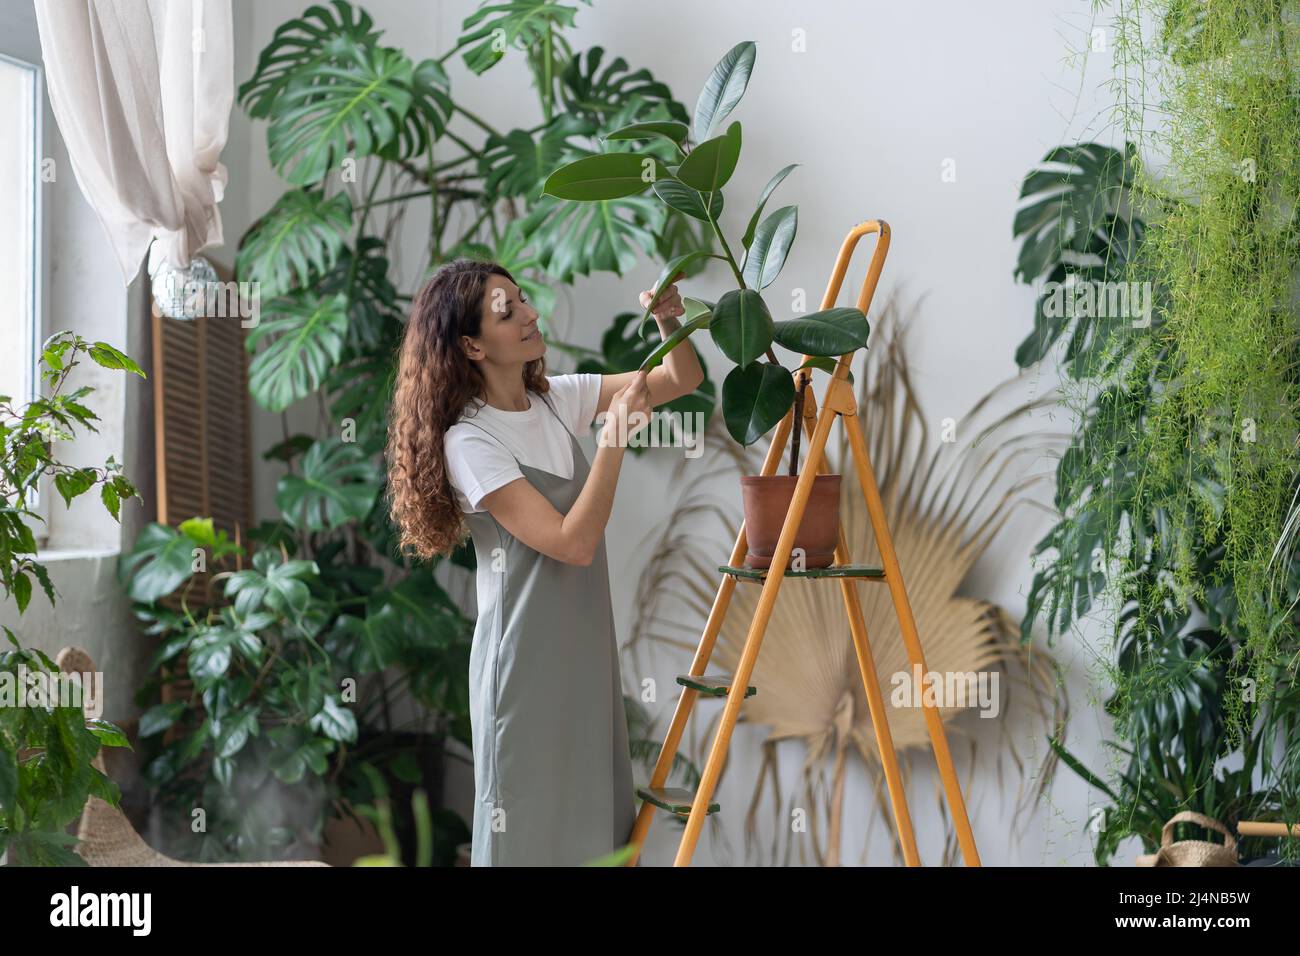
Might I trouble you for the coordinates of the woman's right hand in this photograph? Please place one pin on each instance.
(629, 412)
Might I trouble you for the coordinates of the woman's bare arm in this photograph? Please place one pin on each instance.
(678, 375)
(575, 537)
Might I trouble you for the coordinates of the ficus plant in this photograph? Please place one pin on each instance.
(47, 744)
(759, 391)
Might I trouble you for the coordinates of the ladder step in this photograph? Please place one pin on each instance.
(711, 686)
(674, 799)
(869, 571)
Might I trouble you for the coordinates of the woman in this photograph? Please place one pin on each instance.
(482, 440)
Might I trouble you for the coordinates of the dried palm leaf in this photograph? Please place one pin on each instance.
(945, 503)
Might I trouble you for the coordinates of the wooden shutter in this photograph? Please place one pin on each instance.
(201, 420)
(201, 445)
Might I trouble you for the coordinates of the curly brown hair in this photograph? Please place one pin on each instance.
(435, 381)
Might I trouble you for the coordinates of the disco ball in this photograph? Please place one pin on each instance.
(184, 293)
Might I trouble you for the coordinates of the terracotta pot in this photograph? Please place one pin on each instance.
(767, 499)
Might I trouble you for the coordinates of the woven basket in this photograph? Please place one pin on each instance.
(1192, 852)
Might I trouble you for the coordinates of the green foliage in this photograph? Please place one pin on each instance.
(27, 436)
(46, 741)
(622, 350)
(306, 334)
(301, 235)
(270, 719)
(1174, 492)
(46, 748)
(755, 395)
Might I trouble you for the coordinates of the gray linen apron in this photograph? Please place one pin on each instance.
(552, 766)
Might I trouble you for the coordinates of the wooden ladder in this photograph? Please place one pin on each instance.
(838, 400)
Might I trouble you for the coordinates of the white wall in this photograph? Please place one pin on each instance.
(884, 96)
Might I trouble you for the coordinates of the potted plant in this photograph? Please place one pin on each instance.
(759, 391)
(47, 744)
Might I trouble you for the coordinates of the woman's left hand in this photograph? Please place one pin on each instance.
(668, 305)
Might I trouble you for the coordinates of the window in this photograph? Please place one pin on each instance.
(20, 239)
(21, 265)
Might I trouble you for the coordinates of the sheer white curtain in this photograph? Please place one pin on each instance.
(142, 91)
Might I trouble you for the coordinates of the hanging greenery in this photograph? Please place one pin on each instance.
(1229, 397)
(1170, 271)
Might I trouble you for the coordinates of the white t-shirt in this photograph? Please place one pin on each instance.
(477, 464)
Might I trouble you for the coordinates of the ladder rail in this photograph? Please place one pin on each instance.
(754, 639)
(871, 686)
(912, 642)
(686, 702)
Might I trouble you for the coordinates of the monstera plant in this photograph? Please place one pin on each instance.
(759, 391)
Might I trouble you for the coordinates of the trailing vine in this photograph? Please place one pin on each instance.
(1219, 443)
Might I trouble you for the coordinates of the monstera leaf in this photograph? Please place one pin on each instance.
(601, 95)
(579, 238)
(306, 334)
(516, 164)
(299, 46)
(521, 24)
(299, 239)
(351, 108)
(430, 112)
(339, 483)
(373, 312)
(1100, 250)
(1069, 200)
(363, 391)
(321, 55)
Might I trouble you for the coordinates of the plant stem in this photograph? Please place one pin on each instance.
(547, 105)
(435, 231)
(370, 201)
(797, 429)
(469, 233)
(731, 260)
(482, 124)
(382, 202)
